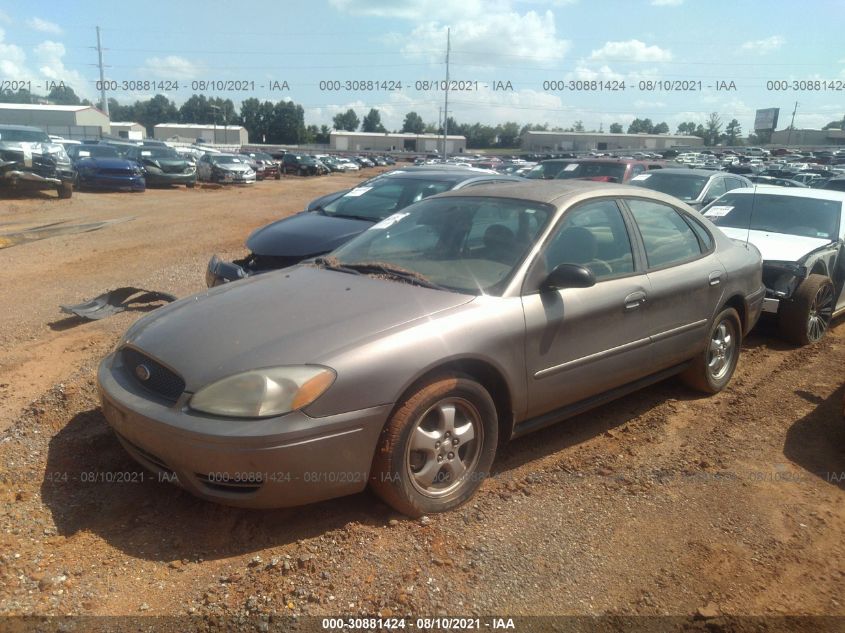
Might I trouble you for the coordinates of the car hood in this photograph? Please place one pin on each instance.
(304, 234)
(234, 167)
(296, 316)
(777, 246)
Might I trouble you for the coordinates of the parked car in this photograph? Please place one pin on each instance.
(300, 164)
(778, 182)
(30, 160)
(347, 165)
(163, 165)
(834, 184)
(696, 187)
(401, 360)
(599, 169)
(102, 167)
(340, 216)
(801, 235)
(263, 165)
(225, 168)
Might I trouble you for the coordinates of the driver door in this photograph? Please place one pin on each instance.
(583, 341)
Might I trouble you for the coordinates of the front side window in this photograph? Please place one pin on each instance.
(667, 238)
(592, 235)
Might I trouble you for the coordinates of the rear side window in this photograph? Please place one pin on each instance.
(703, 234)
(667, 238)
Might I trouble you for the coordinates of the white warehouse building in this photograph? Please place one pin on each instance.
(217, 134)
(342, 141)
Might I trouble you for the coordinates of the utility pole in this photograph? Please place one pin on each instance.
(104, 102)
(792, 124)
(446, 102)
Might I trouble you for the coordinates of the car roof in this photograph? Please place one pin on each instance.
(557, 192)
(22, 128)
(707, 173)
(446, 174)
(796, 192)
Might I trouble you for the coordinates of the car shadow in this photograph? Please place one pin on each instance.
(91, 484)
(816, 442)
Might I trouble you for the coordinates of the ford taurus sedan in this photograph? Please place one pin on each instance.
(402, 359)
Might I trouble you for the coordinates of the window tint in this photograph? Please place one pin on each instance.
(703, 234)
(667, 238)
(593, 235)
(734, 183)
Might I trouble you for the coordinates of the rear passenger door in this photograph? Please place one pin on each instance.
(685, 275)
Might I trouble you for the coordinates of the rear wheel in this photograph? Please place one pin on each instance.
(437, 447)
(711, 370)
(805, 318)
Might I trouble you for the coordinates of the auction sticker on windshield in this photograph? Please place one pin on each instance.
(641, 177)
(571, 167)
(388, 221)
(358, 191)
(718, 212)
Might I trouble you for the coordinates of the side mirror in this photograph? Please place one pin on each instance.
(569, 276)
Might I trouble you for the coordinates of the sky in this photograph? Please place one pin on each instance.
(510, 60)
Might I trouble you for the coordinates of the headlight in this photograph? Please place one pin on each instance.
(59, 152)
(264, 392)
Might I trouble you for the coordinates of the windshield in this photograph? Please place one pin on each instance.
(683, 186)
(97, 151)
(227, 159)
(547, 170)
(615, 172)
(470, 245)
(158, 152)
(26, 136)
(378, 198)
(807, 217)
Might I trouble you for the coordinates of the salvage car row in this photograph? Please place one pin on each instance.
(428, 314)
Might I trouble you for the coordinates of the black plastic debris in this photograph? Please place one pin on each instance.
(115, 301)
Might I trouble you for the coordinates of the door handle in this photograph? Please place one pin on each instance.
(716, 278)
(634, 300)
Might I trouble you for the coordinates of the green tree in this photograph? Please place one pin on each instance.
(63, 95)
(661, 128)
(835, 125)
(578, 126)
(287, 124)
(641, 125)
(733, 131)
(713, 130)
(347, 121)
(372, 122)
(413, 124)
(157, 110)
(616, 128)
(508, 134)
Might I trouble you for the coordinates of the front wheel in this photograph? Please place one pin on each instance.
(805, 318)
(437, 447)
(65, 190)
(711, 370)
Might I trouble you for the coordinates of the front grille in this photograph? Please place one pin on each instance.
(161, 380)
(42, 164)
(223, 484)
(115, 172)
(173, 169)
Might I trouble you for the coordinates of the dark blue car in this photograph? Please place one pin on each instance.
(101, 167)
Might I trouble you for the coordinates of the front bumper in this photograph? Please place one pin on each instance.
(20, 176)
(234, 177)
(113, 183)
(161, 178)
(276, 462)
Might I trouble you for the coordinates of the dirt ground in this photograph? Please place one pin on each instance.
(663, 502)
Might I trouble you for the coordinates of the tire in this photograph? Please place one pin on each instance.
(191, 185)
(65, 190)
(278, 176)
(806, 317)
(449, 412)
(712, 369)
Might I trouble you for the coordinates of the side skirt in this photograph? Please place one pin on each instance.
(576, 408)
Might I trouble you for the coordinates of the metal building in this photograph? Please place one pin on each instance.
(215, 134)
(129, 130)
(341, 140)
(588, 141)
(79, 121)
(808, 137)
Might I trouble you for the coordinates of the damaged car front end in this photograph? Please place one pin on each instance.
(30, 160)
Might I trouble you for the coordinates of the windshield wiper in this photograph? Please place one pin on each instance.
(396, 273)
(330, 263)
(355, 217)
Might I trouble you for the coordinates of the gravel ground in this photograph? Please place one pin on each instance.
(661, 503)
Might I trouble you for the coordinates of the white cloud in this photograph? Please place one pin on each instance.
(12, 60)
(767, 45)
(666, 3)
(171, 67)
(584, 73)
(51, 66)
(4, 17)
(418, 10)
(521, 39)
(630, 51)
(44, 26)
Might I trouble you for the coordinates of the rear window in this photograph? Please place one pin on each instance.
(682, 186)
(790, 215)
(610, 172)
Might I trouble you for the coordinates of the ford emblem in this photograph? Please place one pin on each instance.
(142, 372)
